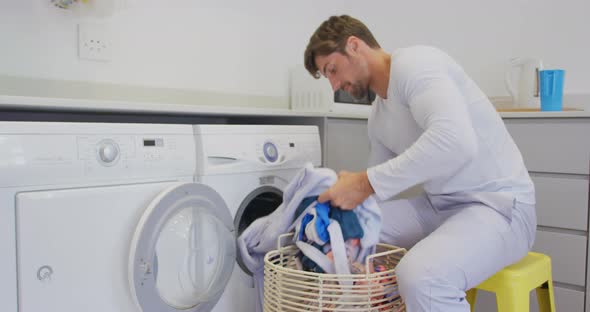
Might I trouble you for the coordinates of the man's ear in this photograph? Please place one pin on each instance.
(352, 45)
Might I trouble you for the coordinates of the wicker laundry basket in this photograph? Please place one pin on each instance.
(287, 288)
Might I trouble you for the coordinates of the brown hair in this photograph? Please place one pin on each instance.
(331, 37)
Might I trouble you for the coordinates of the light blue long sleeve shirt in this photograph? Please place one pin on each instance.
(438, 128)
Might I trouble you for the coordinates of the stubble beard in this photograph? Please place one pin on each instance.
(358, 91)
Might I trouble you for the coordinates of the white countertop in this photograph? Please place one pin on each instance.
(563, 114)
(83, 105)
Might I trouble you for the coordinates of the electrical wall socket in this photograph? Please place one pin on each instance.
(94, 42)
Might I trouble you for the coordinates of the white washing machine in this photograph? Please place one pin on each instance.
(107, 217)
(249, 166)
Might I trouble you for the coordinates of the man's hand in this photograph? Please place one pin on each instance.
(351, 189)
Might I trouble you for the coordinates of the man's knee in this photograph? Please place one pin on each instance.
(421, 280)
(413, 280)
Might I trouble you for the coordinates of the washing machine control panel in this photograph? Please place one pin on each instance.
(119, 150)
(134, 155)
(271, 152)
(108, 152)
(101, 152)
(248, 148)
(290, 150)
(69, 153)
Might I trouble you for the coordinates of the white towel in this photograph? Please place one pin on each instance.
(261, 236)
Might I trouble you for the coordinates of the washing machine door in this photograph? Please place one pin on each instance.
(183, 250)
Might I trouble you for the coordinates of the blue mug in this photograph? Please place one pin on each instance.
(551, 89)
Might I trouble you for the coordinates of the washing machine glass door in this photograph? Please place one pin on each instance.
(183, 250)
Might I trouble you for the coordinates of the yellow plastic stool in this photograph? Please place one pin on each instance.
(513, 284)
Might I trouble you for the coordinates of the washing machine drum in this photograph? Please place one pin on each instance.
(183, 250)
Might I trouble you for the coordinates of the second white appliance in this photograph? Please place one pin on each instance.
(250, 166)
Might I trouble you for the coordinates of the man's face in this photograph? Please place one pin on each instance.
(346, 72)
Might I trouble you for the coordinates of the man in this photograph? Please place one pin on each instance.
(430, 124)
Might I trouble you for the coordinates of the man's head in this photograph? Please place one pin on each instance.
(336, 50)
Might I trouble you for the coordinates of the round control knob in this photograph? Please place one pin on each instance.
(271, 153)
(108, 152)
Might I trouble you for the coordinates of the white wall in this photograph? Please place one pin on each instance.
(247, 47)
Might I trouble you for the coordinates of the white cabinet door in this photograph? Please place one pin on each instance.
(562, 201)
(553, 145)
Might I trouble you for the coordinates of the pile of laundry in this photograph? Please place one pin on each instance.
(330, 240)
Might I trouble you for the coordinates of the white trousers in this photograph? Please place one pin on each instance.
(452, 251)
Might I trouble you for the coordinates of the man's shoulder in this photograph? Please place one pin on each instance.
(420, 48)
(413, 67)
(416, 55)
(411, 61)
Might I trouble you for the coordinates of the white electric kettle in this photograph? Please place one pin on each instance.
(526, 93)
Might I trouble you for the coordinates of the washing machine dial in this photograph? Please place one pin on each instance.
(271, 153)
(108, 152)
